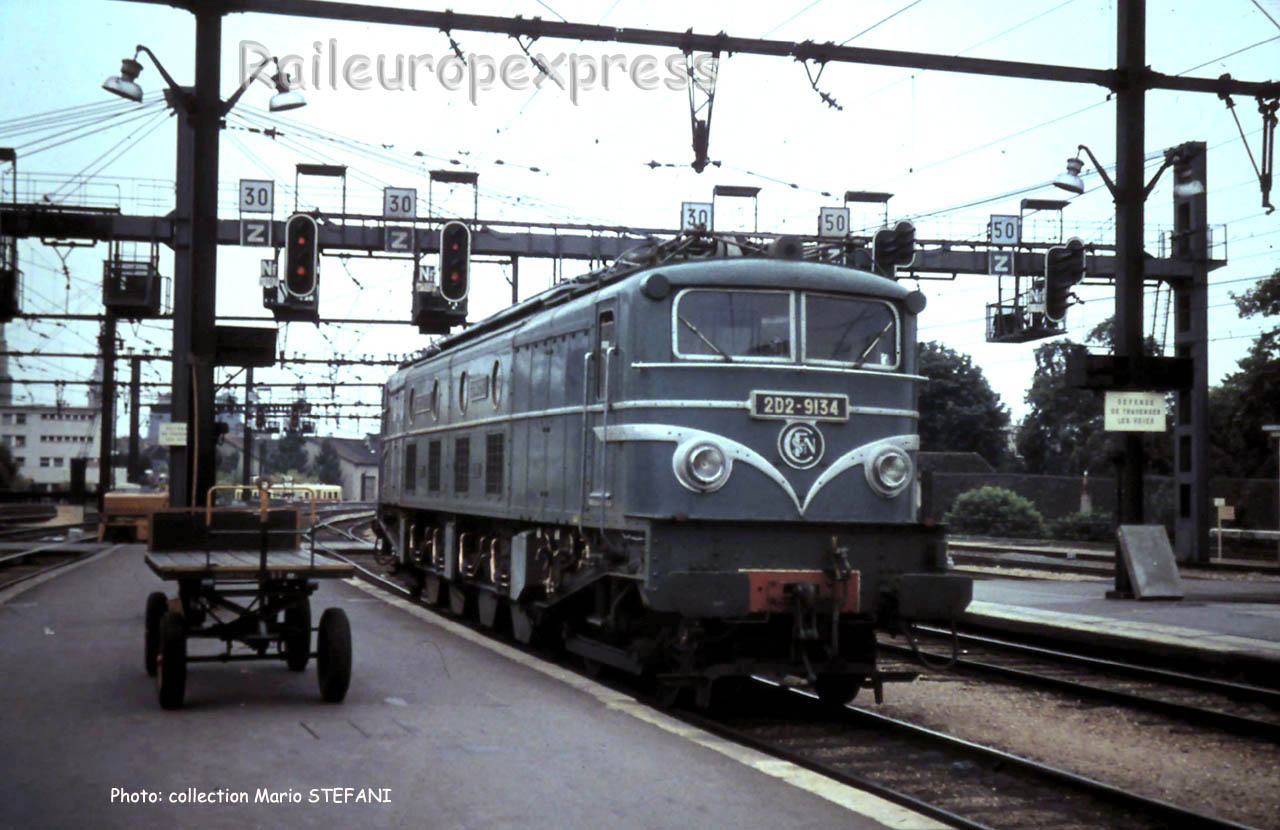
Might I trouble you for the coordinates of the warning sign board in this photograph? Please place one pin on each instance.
(173, 435)
(1135, 412)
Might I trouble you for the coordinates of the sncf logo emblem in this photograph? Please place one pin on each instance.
(800, 445)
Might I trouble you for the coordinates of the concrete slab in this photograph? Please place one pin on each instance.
(439, 730)
(1224, 619)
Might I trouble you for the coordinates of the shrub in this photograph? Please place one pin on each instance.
(1083, 527)
(994, 511)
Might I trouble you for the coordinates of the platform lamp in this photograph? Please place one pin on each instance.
(192, 464)
(126, 83)
(1071, 182)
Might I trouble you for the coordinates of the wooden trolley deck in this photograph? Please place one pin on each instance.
(245, 564)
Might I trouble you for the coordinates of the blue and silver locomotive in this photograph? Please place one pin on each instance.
(690, 466)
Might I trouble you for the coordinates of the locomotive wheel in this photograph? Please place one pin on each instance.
(489, 609)
(521, 624)
(458, 600)
(156, 606)
(333, 655)
(171, 668)
(673, 695)
(297, 635)
(836, 689)
(433, 590)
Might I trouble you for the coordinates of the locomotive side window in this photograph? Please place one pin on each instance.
(846, 330)
(733, 325)
(463, 392)
(495, 383)
(434, 401)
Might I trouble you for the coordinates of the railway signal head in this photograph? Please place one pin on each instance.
(1063, 268)
(302, 255)
(455, 261)
(894, 248)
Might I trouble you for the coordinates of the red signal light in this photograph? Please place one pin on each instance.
(455, 255)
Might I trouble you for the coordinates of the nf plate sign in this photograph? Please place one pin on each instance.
(1134, 412)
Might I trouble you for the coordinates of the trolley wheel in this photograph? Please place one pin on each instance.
(333, 655)
(157, 604)
(297, 635)
(171, 669)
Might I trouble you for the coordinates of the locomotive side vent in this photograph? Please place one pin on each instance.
(461, 465)
(493, 461)
(433, 466)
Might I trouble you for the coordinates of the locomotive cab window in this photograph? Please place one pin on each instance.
(730, 325)
(850, 331)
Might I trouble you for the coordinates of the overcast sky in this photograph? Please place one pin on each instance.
(936, 141)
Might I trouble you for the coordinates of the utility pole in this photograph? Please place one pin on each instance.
(107, 345)
(135, 389)
(248, 427)
(192, 467)
(1131, 65)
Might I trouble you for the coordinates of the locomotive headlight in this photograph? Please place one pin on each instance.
(889, 472)
(701, 465)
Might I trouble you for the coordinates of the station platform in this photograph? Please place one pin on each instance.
(1218, 621)
(441, 728)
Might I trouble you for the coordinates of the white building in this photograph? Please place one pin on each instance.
(45, 439)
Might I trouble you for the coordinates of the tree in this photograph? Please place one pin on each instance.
(1062, 434)
(1249, 398)
(327, 466)
(959, 411)
(289, 454)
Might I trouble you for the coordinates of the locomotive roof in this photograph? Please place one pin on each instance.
(741, 271)
(758, 272)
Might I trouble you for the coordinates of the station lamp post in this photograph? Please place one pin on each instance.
(200, 110)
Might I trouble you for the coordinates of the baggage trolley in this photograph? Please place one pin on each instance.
(243, 579)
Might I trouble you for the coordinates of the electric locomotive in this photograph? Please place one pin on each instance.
(691, 466)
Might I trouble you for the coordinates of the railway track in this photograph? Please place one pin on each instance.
(1238, 708)
(953, 780)
(958, 782)
(30, 562)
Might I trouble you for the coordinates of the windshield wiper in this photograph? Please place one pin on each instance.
(857, 364)
(704, 339)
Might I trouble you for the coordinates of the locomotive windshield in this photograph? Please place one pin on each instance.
(729, 325)
(849, 330)
(747, 325)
